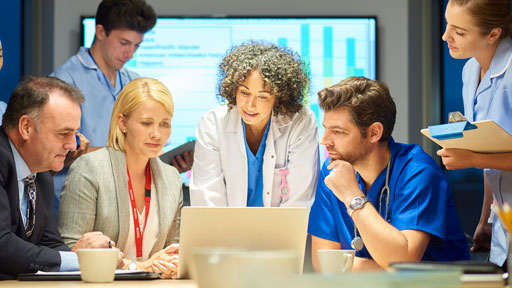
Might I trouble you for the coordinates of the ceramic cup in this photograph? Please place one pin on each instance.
(98, 264)
(226, 268)
(335, 261)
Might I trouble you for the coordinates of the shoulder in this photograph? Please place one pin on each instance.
(71, 65)
(469, 68)
(218, 112)
(216, 116)
(128, 74)
(96, 159)
(304, 118)
(7, 165)
(413, 162)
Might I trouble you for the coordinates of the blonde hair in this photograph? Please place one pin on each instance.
(130, 98)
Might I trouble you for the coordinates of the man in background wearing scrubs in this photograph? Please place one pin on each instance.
(98, 71)
(413, 219)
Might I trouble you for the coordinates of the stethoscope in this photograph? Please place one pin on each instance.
(357, 243)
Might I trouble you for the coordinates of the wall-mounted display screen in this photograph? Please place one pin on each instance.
(184, 54)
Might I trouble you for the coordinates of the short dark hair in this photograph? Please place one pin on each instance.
(281, 69)
(368, 101)
(134, 15)
(32, 94)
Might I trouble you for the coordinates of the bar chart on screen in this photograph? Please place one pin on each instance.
(184, 53)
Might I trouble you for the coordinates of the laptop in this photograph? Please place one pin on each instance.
(251, 228)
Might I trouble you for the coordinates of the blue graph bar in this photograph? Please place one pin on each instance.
(283, 42)
(359, 72)
(351, 52)
(328, 42)
(304, 41)
(328, 56)
(316, 109)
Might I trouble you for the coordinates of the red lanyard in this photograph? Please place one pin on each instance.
(135, 213)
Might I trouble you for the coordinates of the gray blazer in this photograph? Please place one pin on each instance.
(95, 198)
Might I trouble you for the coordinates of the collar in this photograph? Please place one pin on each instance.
(502, 58)
(86, 59)
(22, 170)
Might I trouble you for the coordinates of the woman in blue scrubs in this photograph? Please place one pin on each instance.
(261, 149)
(481, 30)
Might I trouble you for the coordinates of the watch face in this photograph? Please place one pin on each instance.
(357, 202)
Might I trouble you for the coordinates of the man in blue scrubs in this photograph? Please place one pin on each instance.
(414, 219)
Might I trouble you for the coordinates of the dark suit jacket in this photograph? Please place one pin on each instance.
(18, 253)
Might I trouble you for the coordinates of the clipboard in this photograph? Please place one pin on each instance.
(482, 136)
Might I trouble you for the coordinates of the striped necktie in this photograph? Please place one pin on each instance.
(30, 188)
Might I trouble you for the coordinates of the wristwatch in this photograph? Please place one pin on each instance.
(356, 203)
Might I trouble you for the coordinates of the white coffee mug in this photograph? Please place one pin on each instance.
(232, 268)
(98, 264)
(335, 261)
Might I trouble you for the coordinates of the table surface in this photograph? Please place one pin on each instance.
(119, 283)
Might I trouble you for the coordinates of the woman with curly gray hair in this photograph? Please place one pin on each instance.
(261, 149)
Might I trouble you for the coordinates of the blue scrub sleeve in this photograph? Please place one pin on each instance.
(420, 200)
(322, 223)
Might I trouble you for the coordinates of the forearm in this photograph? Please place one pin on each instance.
(365, 265)
(318, 243)
(486, 205)
(499, 161)
(385, 243)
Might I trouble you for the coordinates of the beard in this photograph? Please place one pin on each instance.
(358, 155)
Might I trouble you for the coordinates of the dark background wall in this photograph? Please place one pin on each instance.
(11, 37)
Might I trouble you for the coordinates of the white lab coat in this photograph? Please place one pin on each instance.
(219, 174)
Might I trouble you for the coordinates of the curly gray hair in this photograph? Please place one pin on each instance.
(282, 70)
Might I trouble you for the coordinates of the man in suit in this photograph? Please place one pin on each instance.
(39, 126)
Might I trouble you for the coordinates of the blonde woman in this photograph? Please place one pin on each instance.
(96, 207)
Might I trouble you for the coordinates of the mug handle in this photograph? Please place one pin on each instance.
(349, 262)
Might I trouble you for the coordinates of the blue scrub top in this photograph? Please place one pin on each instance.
(82, 72)
(420, 199)
(491, 99)
(255, 170)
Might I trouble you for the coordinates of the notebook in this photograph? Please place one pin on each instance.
(75, 275)
(252, 228)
